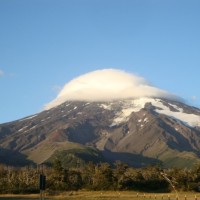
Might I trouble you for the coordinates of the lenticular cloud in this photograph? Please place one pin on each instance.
(106, 85)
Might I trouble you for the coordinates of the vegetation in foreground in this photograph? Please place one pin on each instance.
(95, 177)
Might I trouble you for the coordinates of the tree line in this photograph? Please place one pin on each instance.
(98, 177)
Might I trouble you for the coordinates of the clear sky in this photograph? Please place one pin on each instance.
(46, 43)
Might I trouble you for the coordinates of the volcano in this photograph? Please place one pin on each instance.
(105, 116)
(139, 132)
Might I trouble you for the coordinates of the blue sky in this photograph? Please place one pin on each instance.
(46, 43)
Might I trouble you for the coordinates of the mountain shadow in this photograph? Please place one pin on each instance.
(134, 160)
(14, 158)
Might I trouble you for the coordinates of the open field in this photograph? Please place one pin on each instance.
(108, 195)
(19, 197)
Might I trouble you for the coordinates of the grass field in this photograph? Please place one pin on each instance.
(108, 195)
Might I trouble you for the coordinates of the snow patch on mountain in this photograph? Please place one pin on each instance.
(22, 129)
(189, 119)
(176, 107)
(104, 106)
(28, 117)
(136, 105)
(123, 115)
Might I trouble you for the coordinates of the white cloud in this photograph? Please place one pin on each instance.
(105, 85)
(1, 73)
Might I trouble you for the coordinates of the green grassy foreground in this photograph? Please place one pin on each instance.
(107, 195)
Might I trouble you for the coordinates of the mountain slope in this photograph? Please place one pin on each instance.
(137, 131)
